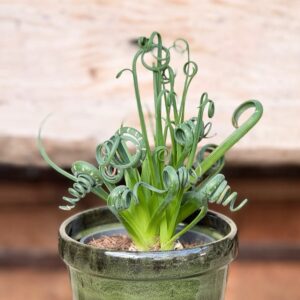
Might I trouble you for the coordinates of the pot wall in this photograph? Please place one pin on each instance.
(196, 273)
(209, 286)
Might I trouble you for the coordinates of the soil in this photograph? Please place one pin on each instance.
(123, 243)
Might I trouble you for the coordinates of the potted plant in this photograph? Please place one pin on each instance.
(156, 238)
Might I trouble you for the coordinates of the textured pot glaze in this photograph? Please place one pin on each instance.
(195, 273)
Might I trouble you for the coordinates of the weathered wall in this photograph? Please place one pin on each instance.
(62, 56)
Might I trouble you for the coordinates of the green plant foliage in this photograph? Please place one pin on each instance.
(149, 190)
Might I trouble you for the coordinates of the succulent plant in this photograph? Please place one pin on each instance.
(151, 190)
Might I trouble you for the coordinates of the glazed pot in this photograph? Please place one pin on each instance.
(194, 273)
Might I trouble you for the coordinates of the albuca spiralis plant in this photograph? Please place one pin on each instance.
(152, 190)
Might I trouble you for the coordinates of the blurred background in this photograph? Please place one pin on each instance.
(62, 57)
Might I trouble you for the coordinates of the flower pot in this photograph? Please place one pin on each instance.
(194, 273)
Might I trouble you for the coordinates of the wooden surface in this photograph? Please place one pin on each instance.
(62, 56)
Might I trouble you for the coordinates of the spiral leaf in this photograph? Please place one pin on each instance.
(176, 45)
(83, 167)
(113, 155)
(236, 135)
(214, 190)
(111, 174)
(114, 152)
(120, 198)
(190, 69)
(201, 155)
(148, 45)
(87, 178)
(184, 133)
(161, 153)
(219, 192)
(81, 187)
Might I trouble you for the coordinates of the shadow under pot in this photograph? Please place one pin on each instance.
(193, 273)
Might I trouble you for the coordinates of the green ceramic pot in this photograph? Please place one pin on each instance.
(195, 273)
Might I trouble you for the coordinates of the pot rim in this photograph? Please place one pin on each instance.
(144, 265)
(64, 235)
